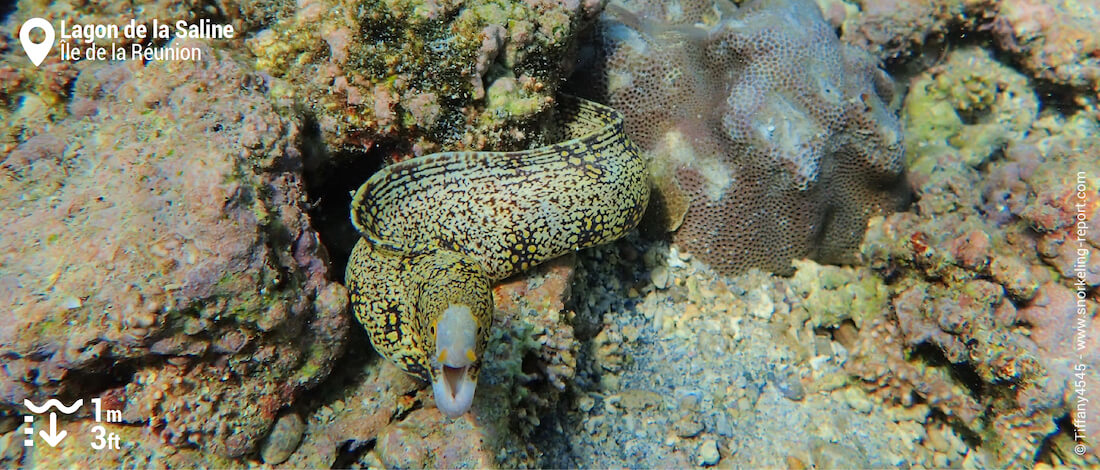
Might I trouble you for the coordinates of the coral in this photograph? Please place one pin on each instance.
(459, 75)
(830, 294)
(899, 29)
(1055, 40)
(771, 140)
(969, 103)
(984, 267)
(157, 252)
(531, 357)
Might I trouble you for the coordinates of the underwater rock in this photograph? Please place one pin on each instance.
(898, 29)
(707, 455)
(283, 440)
(139, 449)
(1055, 318)
(986, 262)
(432, 75)
(969, 107)
(425, 439)
(32, 96)
(1056, 41)
(162, 250)
(770, 139)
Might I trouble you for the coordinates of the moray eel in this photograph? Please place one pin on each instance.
(437, 231)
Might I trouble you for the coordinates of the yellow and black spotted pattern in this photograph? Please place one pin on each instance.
(459, 221)
(397, 294)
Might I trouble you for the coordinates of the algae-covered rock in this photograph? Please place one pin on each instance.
(1055, 40)
(981, 269)
(283, 439)
(33, 96)
(368, 70)
(971, 104)
(832, 294)
(156, 251)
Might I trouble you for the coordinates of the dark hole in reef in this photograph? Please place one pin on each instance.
(530, 364)
(93, 381)
(846, 333)
(533, 366)
(973, 116)
(972, 439)
(6, 8)
(1049, 451)
(962, 372)
(349, 453)
(330, 180)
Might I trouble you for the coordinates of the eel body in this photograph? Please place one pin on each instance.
(438, 230)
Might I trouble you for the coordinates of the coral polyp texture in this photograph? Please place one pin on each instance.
(770, 139)
(453, 74)
(156, 253)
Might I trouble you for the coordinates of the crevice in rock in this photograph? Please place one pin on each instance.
(330, 182)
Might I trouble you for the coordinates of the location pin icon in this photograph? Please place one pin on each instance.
(36, 50)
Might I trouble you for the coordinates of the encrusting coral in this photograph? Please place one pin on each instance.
(970, 104)
(770, 139)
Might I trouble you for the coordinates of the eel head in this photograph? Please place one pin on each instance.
(457, 306)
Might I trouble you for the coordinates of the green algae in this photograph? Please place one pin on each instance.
(833, 294)
(970, 106)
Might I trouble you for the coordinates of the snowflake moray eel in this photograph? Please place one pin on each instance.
(437, 231)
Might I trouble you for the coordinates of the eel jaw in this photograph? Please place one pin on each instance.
(455, 362)
(454, 390)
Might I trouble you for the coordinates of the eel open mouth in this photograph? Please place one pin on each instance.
(454, 390)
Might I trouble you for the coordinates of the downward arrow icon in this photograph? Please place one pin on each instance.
(54, 437)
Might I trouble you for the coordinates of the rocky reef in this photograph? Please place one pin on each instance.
(163, 249)
(157, 253)
(770, 139)
(987, 271)
(423, 75)
(161, 256)
(1054, 41)
(31, 97)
